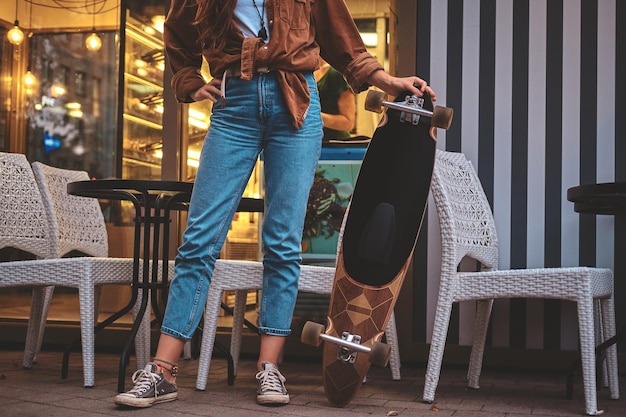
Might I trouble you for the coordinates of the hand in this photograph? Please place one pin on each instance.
(395, 85)
(209, 91)
(417, 86)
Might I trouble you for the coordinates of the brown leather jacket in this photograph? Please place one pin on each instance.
(300, 29)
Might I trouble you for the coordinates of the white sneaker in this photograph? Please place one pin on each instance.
(150, 388)
(271, 386)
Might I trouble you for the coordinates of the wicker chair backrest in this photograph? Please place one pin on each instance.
(465, 216)
(77, 222)
(23, 222)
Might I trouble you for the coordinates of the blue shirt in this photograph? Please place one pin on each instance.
(247, 19)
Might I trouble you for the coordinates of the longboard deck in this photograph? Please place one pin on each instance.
(382, 225)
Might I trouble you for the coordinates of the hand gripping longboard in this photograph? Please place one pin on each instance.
(381, 227)
(411, 108)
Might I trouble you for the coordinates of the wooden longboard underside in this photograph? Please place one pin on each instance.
(365, 311)
(382, 225)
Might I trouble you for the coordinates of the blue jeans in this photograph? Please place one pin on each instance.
(254, 119)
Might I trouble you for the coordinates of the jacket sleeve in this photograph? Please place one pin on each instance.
(182, 50)
(341, 44)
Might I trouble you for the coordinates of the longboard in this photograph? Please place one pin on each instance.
(381, 227)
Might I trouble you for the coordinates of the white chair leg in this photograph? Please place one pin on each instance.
(213, 306)
(142, 338)
(86, 299)
(437, 345)
(483, 312)
(239, 312)
(44, 317)
(40, 303)
(587, 353)
(598, 326)
(391, 336)
(608, 320)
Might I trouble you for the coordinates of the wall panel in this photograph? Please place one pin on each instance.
(535, 92)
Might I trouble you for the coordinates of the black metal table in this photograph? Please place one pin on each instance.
(605, 198)
(608, 199)
(153, 202)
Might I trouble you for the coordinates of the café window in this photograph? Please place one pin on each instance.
(70, 111)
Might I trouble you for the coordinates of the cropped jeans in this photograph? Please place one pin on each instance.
(254, 119)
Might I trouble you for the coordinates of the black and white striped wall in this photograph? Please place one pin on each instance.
(538, 90)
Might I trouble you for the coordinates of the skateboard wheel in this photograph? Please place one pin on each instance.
(311, 333)
(374, 101)
(442, 117)
(379, 355)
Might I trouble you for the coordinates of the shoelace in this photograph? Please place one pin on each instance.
(143, 380)
(270, 380)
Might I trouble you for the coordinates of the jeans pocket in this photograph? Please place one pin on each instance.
(296, 13)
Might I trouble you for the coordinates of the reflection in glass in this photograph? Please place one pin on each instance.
(71, 112)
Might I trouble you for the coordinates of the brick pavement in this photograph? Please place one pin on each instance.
(41, 392)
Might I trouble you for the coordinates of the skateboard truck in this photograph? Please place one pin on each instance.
(347, 353)
(410, 109)
(415, 103)
(348, 344)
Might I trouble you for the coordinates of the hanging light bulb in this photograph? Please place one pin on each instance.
(93, 42)
(29, 79)
(15, 35)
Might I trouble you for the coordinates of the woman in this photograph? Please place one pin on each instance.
(262, 54)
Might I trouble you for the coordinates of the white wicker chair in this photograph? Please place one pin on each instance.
(77, 224)
(23, 226)
(241, 276)
(468, 229)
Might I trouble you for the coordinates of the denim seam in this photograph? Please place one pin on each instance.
(174, 333)
(194, 308)
(274, 332)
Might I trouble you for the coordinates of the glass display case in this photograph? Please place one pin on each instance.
(142, 109)
(6, 88)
